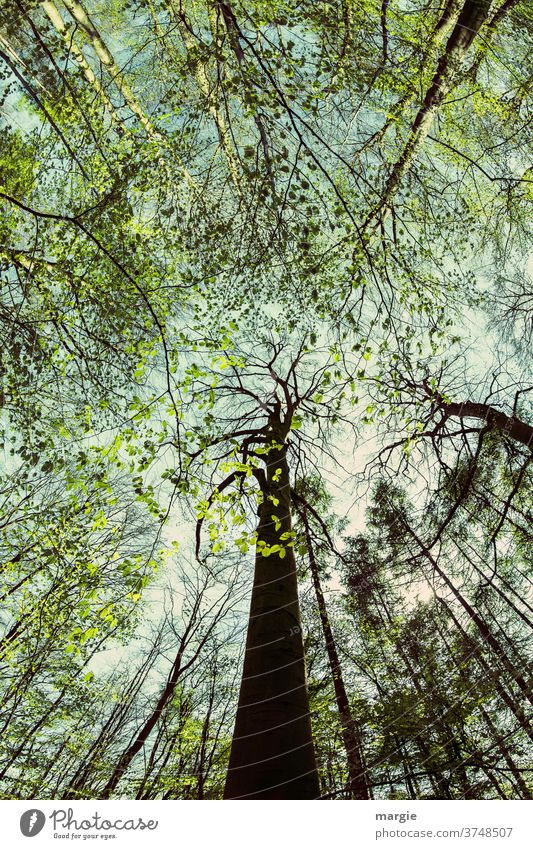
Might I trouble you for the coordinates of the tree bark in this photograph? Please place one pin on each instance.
(513, 768)
(272, 755)
(479, 622)
(498, 16)
(82, 18)
(54, 15)
(498, 738)
(472, 16)
(507, 698)
(209, 94)
(350, 733)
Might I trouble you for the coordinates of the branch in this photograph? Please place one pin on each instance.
(296, 497)
(507, 425)
(477, 165)
(225, 483)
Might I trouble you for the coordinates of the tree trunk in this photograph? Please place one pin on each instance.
(82, 18)
(507, 425)
(272, 755)
(167, 693)
(498, 738)
(439, 782)
(208, 91)
(144, 733)
(350, 733)
(502, 12)
(473, 14)
(513, 768)
(479, 622)
(54, 15)
(507, 698)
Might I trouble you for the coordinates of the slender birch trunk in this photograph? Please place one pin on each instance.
(473, 15)
(57, 21)
(81, 16)
(205, 86)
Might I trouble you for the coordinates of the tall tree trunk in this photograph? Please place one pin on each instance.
(498, 738)
(144, 733)
(272, 755)
(439, 782)
(350, 733)
(79, 783)
(82, 18)
(442, 29)
(498, 16)
(200, 70)
(473, 14)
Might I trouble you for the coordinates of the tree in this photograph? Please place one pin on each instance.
(358, 786)
(239, 238)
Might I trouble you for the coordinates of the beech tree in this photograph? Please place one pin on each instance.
(265, 313)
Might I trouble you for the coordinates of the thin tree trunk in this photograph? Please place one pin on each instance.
(54, 15)
(481, 625)
(438, 781)
(442, 29)
(81, 16)
(126, 758)
(111, 729)
(352, 741)
(272, 755)
(205, 86)
(493, 780)
(473, 14)
(499, 739)
(513, 768)
(508, 699)
(176, 672)
(201, 770)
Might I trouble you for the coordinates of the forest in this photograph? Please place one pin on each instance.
(266, 323)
